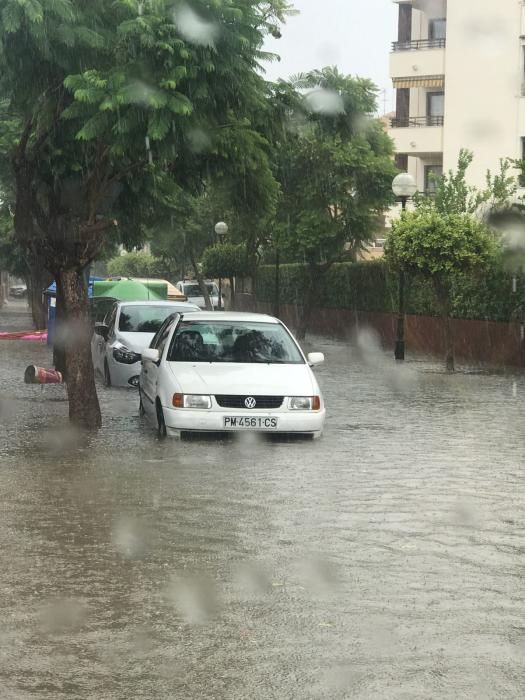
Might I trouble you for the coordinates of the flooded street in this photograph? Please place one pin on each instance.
(385, 560)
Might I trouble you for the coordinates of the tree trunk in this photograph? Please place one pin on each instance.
(84, 409)
(200, 280)
(39, 280)
(232, 293)
(277, 298)
(305, 314)
(450, 360)
(443, 296)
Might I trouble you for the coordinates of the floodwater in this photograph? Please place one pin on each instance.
(384, 561)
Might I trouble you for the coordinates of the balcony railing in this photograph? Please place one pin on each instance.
(408, 122)
(419, 44)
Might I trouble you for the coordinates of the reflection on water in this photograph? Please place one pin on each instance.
(384, 561)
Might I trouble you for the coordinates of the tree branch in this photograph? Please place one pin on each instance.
(20, 153)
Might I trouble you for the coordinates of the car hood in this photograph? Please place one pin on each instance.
(136, 342)
(244, 379)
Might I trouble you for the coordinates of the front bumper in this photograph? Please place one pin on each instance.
(125, 375)
(212, 421)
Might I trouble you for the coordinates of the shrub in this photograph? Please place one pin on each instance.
(370, 286)
(225, 260)
(137, 264)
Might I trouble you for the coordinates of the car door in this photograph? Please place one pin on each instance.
(150, 370)
(100, 343)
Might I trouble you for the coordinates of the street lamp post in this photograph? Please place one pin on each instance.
(404, 187)
(221, 229)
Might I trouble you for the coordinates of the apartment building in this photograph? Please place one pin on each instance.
(458, 69)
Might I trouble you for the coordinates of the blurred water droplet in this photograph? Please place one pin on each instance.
(324, 101)
(464, 513)
(489, 33)
(195, 598)
(199, 140)
(142, 641)
(194, 28)
(140, 93)
(63, 616)
(61, 441)
(130, 537)
(319, 575)
(252, 580)
(484, 129)
(72, 331)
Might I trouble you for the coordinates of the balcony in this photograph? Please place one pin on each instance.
(418, 136)
(418, 63)
(417, 121)
(419, 45)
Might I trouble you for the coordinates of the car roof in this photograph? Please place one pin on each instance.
(231, 316)
(195, 282)
(177, 304)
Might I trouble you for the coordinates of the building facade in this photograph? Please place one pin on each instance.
(458, 69)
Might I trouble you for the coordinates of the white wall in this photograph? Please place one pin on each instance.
(484, 73)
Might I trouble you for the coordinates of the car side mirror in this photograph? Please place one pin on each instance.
(151, 354)
(315, 358)
(102, 330)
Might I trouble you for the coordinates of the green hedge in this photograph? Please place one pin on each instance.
(369, 286)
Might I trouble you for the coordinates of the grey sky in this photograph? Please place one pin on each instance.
(355, 35)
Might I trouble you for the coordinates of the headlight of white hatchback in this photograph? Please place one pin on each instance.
(125, 356)
(191, 401)
(305, 403)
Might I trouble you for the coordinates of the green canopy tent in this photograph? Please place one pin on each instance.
(131, 290)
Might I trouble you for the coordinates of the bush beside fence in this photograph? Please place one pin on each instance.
(371, 287)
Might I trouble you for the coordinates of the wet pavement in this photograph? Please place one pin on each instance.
(386, 560)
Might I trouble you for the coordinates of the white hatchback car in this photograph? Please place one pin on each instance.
(192, 291)
(233, 372)
(127, 329)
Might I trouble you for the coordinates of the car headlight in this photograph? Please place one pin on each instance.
(191, 401)
(125, 356)
(305, 403)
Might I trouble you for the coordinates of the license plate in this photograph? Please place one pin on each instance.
(250, 423)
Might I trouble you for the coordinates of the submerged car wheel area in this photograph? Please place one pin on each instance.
(237, 372)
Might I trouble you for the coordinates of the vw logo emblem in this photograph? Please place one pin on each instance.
(250, 402)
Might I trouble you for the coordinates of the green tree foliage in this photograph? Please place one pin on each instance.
(122, 109)
(437, 247)
(11, 255)
(454, 195)
(225, 260)
(136, 264)
(334, 165)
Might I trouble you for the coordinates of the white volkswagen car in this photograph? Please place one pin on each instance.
(234, 372)
(127, 329)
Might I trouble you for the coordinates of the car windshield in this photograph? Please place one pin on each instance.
(143, 319)
(229, 341)
(193, 290)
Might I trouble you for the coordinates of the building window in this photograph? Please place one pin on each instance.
(433, 174)
(435, 108)
(404, 34)
(401, 161)
(437, 29)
